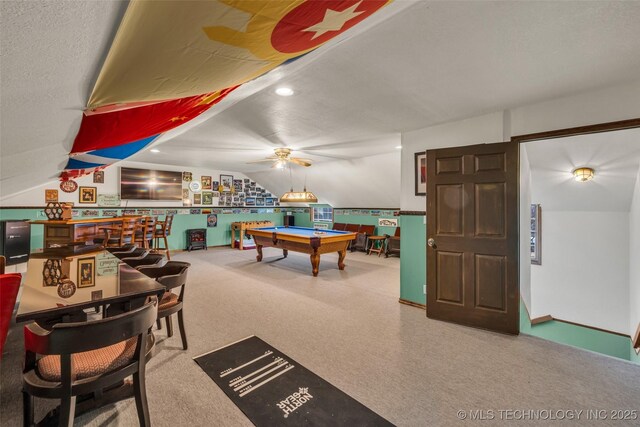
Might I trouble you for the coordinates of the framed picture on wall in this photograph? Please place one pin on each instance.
(197, 199)
(206, 182)
(421, 173)
(50, 195)
(207, 198)
(226, 182)
(86, 272)
(98, 177)
(88, 195)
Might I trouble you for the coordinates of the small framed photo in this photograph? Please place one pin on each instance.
(187, 176)
(421, 173)
(86, 272)
(250, 201)
(259, 201)
(207, 198)
(98, 177)
(50, 196)
(206, 182)
(197, 199)
(88, 195)
(226, 182)
(270, 201)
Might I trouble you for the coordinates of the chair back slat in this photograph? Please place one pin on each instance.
(166, 227)
(352, 228)
(69, 338)
(369, 230)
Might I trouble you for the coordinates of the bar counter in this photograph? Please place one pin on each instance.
(64, 232)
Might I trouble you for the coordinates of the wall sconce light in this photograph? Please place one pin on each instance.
(583, 174)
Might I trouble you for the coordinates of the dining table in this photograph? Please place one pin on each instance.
(62, 284)
(72, 283)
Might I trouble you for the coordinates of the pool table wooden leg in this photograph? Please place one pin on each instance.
(341, 256)
(259, 249)
(315, 263)
(285, 252)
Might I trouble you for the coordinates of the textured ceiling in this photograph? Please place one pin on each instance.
(615, 157)
(418, 64)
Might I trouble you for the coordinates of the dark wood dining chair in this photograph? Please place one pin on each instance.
(362, 239)
(172, 275)
(163, 232)
(393, 244)
(338, 226)
(86, 357)
(122, 249)
(9, 287)
(148, 259)
(135, 253)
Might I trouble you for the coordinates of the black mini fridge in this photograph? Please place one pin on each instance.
(15, 240)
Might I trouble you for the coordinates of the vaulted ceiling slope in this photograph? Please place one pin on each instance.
(420, 64)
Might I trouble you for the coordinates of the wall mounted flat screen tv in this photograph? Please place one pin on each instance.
(144, 184)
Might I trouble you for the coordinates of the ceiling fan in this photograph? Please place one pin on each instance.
(282, 156)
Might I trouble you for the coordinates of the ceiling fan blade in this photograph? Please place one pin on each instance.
(273, 159)
(301, 162)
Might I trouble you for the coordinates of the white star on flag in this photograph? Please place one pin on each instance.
(334, 20)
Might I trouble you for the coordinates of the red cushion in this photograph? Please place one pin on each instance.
(9, 286)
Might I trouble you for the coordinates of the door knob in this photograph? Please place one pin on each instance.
(431, 243)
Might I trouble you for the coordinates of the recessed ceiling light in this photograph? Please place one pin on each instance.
(398, 147)
(284, 91)
(154, 150)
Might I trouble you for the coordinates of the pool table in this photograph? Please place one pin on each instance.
(306, 240)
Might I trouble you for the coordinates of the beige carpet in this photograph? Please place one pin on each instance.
(348, 327)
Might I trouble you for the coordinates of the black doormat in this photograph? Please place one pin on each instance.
(273, 389)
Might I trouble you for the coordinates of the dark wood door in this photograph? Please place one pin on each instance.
(472, 232)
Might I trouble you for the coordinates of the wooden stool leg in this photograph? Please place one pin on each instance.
(183, 334)
(67, 411)
(27, 409)
(169, 326)
(140, 392)
(159, 324)
(166, 246)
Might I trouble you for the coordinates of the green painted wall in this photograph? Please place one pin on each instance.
(632, 354)
(413, 246)
(304, 219)
(577, 336)
(216, 236)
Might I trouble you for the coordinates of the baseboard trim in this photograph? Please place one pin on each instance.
(548, 318)
(542, 319)
(412, 304)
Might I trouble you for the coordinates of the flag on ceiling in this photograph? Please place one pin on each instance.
(91, 161)
(116, 128)
(172, 49)
(170, 61)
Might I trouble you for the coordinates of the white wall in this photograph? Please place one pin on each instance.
(584, 276)
(634, 261)
(525, 223)
(35, 196)
(476, 130)
(367, 182)
(610, 104)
